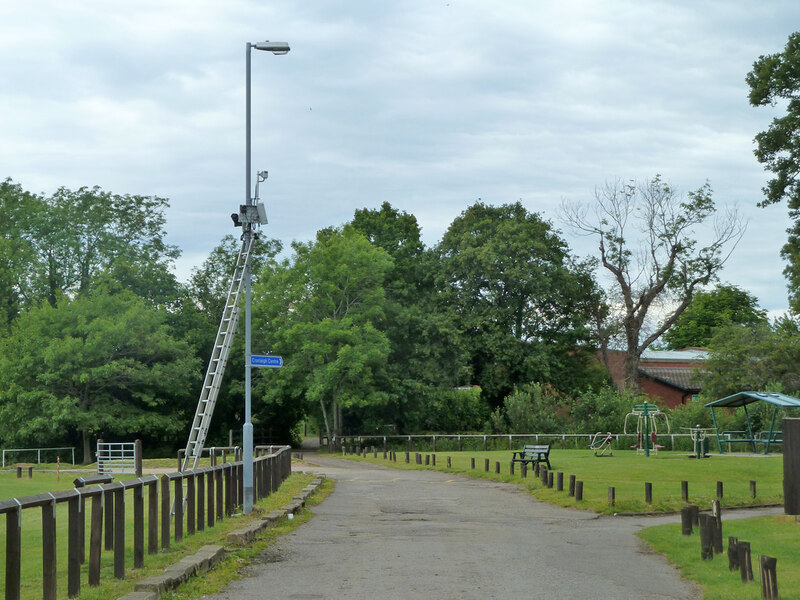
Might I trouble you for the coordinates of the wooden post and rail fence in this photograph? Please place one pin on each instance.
(96, 506)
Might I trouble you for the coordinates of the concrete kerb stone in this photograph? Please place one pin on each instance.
(140, 596)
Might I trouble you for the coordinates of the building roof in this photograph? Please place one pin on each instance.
(682, 356)
(743, 398)
(677, 377)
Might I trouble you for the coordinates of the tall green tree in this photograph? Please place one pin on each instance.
(755, 357)
(426, 359)
(70, 239)
(16, 254)
(774, 78)
(710, 310)
(521, 302)
(318, 311)
(648, 243)
(102, 364)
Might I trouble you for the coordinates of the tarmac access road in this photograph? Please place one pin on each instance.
(389, 534)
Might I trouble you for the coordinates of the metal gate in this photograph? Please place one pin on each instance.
(117, 457)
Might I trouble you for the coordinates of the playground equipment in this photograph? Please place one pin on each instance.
(699, 437)
(601, 445)
(647, 417)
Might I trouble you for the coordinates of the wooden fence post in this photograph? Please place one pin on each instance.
(178, 508)
(523, 470)
(13, 553)
(752, 489)
(707, 527)
(138, 526)
(769, 578)
(190, 503)
(152, 517)
(108, 500)
(745, 561)
(572, 485)
(137, 450)
(96, 538)
(560, 481)
(164, 512)
(685, 491)
(211, 496)
(49, 581)
(791, 466)
(733, 553)
(719, 490)
(486, 465)
(219, 490)
(612, 496)
(716, 511)
(579, 491)
(648, 492)
(119, 533)
(73, 546)
(201, 500)
(686, 520)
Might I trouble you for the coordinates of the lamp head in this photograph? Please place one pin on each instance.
(274, 47)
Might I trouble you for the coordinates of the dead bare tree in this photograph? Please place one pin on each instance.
(648, 242)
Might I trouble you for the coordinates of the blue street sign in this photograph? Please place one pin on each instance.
(271, 362)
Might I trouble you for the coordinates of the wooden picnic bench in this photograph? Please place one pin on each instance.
(533, 454)
(21, 466)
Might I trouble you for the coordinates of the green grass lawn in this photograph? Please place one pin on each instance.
(774, 536)
(627, 472)
(31, 573)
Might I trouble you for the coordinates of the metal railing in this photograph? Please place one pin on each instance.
(38, 452)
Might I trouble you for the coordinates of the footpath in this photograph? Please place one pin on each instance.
(391, 534)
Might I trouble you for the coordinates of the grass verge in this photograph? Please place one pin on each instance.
(777, 536)
(627, 472)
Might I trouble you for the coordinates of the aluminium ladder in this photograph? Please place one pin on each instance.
(219, 357)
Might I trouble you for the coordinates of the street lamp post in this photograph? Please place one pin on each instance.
(247, 232)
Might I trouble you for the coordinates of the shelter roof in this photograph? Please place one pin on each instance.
(743, 398)
(677, 377)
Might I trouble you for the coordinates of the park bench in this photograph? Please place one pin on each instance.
(533, 454)
(21, 466)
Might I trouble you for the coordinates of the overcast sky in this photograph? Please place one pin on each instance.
(428, 105)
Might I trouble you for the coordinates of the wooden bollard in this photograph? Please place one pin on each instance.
(497, 467)
(707, 528)
(384, 455)
(511, 467)
(612, 496)
(433, 460)
(572, 485)
(648, 492)
(716, 511)
(769, 578)
(578, 491)
(536, 469)
(550, 479)
(752, 489)
(472, 462)
(408, 457)
(523, 469)
(719, 490)
(486, 465)
(695, 510)
(543, 475)
(375, 453)
(419, 458)
(745, 561)
(427, 460)
(449, 462)
(685, 491)
(686, 520)
(559, 481)
(733, 553)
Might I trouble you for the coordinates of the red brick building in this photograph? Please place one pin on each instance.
(666, 376)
